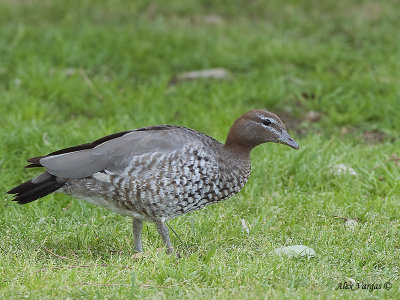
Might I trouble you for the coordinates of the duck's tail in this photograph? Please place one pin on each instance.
(36, 188)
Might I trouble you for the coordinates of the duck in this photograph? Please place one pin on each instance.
(156, 173)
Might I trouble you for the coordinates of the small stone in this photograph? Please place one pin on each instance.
(313, 116)
(344, 131)
(351, 280)
(212, 19)
(17, 82)
(244, 226)
(342, 169)
(69, 72)
(295, 251)
(217, 73)
(351, 224)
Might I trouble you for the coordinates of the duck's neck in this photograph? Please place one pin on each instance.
(237, 157)
(235, 164)
(238, 142)
(241, 152)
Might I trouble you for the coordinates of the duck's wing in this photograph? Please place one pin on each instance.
(115, 152)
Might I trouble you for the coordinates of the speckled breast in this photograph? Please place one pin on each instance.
(163, 186)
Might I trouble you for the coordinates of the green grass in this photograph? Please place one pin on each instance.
(73, 71)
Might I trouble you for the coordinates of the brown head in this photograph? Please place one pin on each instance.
(256, 127)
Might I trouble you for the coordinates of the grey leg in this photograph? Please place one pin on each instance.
(164, 232)
(137, 232)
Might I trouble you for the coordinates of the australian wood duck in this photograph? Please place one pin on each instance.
(155, 173)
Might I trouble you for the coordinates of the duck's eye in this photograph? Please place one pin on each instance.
(266, 122)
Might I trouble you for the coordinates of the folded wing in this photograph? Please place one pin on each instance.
(116, 153)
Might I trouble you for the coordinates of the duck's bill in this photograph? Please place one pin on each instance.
(286, 139)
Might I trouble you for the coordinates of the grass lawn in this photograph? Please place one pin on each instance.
(74, 71)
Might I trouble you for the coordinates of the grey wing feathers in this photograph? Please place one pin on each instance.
(77, 164)
(115, 154)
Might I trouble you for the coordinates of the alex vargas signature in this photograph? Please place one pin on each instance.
(346, 285)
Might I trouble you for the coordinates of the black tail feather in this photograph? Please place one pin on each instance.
(36, 188)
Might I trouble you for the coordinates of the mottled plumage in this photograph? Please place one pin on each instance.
(155, 173)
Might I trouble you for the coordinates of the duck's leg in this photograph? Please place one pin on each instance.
(164, 232)
(137, 232)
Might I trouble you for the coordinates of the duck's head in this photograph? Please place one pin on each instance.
(256, 127)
